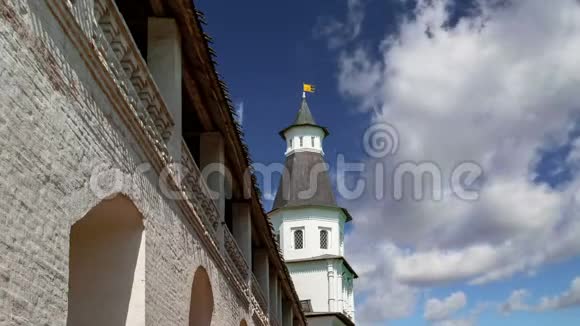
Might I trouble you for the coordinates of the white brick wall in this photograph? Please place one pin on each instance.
(56, 126)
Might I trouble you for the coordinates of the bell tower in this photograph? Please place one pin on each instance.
(310, 225)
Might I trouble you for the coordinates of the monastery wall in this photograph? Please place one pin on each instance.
(61, 137)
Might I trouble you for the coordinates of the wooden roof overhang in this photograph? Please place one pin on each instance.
(212, 105)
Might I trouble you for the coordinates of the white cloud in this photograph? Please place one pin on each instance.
(436, 309)
(573, 158)
(570, 298)
(392, 299)
(495, 89)
(567, 299)
(455, 322)
(340, 33)
(516, 302)
(240, 112)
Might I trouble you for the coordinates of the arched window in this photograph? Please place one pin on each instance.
(301, 142)
(323, 239)
(298, 239)
(290, 143)
(312, 139)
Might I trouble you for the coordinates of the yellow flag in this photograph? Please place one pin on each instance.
(309, 88)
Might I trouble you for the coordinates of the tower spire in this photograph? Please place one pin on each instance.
(304, 117)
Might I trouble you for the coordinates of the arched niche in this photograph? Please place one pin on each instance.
(107, 266)
(201, 306)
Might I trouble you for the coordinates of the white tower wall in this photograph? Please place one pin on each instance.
(304, 138)
(311, 220)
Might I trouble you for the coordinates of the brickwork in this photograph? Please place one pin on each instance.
(58, 127)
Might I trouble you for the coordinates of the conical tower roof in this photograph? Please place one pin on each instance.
(296, 188)
(304, 118)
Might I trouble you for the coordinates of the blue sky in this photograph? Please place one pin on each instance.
(495, 83)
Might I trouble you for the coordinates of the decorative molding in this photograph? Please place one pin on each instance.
(234, 254)
(258, 295)
(197, 192)
(117, 48)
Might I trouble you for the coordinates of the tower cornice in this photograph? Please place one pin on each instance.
(326, 257)
(345, 211)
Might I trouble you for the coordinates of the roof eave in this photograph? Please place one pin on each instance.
(344, 210)
(187, 14)
(283, 131)
(325, 257)
(339, 315)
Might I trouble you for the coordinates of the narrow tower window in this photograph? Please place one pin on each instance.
(290, 143)
(298, 239)
(312, 138)
(301, 143)
(323, 239)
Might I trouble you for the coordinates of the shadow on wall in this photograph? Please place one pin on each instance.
(106, 266)
(201, 307)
